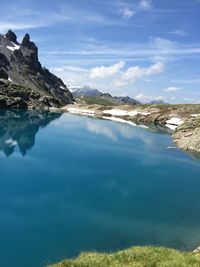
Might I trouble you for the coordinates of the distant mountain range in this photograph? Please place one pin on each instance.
(85, 92)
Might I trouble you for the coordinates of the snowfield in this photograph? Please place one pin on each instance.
(14, 47)
(173, 123)
(119, 112)
(81, 111)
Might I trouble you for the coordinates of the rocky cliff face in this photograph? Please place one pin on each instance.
(19, 64)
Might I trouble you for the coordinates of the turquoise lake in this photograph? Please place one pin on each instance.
(70, 183)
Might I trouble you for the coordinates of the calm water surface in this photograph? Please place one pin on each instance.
(70, 183)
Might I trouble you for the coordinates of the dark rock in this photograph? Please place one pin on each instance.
(45, 100)
(3, 103)
(19, 94)
(29, 44)
(14, 96)
(3, 60)
(16, 103)
(26, 41)
(11, 36)
(30, 54)
(3, 74)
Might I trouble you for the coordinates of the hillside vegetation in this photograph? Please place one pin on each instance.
(135, 257)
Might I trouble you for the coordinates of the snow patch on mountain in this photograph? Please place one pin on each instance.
(14, 47)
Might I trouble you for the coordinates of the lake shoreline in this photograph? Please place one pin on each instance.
(182, 122)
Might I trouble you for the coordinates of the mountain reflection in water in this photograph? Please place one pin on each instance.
(19, 128)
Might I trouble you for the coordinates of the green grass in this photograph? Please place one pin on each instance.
(135, 257)
(97, 101)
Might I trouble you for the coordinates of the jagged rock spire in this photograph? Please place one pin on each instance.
(26, 40)
(28, 44)
(11, 36)
(30, 52)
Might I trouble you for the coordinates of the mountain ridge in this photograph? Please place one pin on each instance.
(87, 92)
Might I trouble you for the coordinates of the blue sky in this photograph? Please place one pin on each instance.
(148, 49)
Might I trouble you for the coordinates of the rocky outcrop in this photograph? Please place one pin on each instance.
(20, 65)
(15, 96)
(187, 136)
(11, 36)
(3, 74)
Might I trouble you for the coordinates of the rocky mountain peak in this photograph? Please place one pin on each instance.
(26, 40)
(27, 36)
(27, 43)
(30, 52)
(20, 65)
(11, 36)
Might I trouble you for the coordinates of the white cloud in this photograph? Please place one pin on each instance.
(19, 17)
(104, 72)
(142, 96)
(123, 95)
(133, 74)
(194, 81)
(127, 12)
(145, 4)
(125, 77)
(97, 128)
(69, 68)
(19, 26)
(162, 44)
(189, 99)
(158, 49)
(105, 77)
(173, 89)
(178, 32)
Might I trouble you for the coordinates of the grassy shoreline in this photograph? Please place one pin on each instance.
(135, 257)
